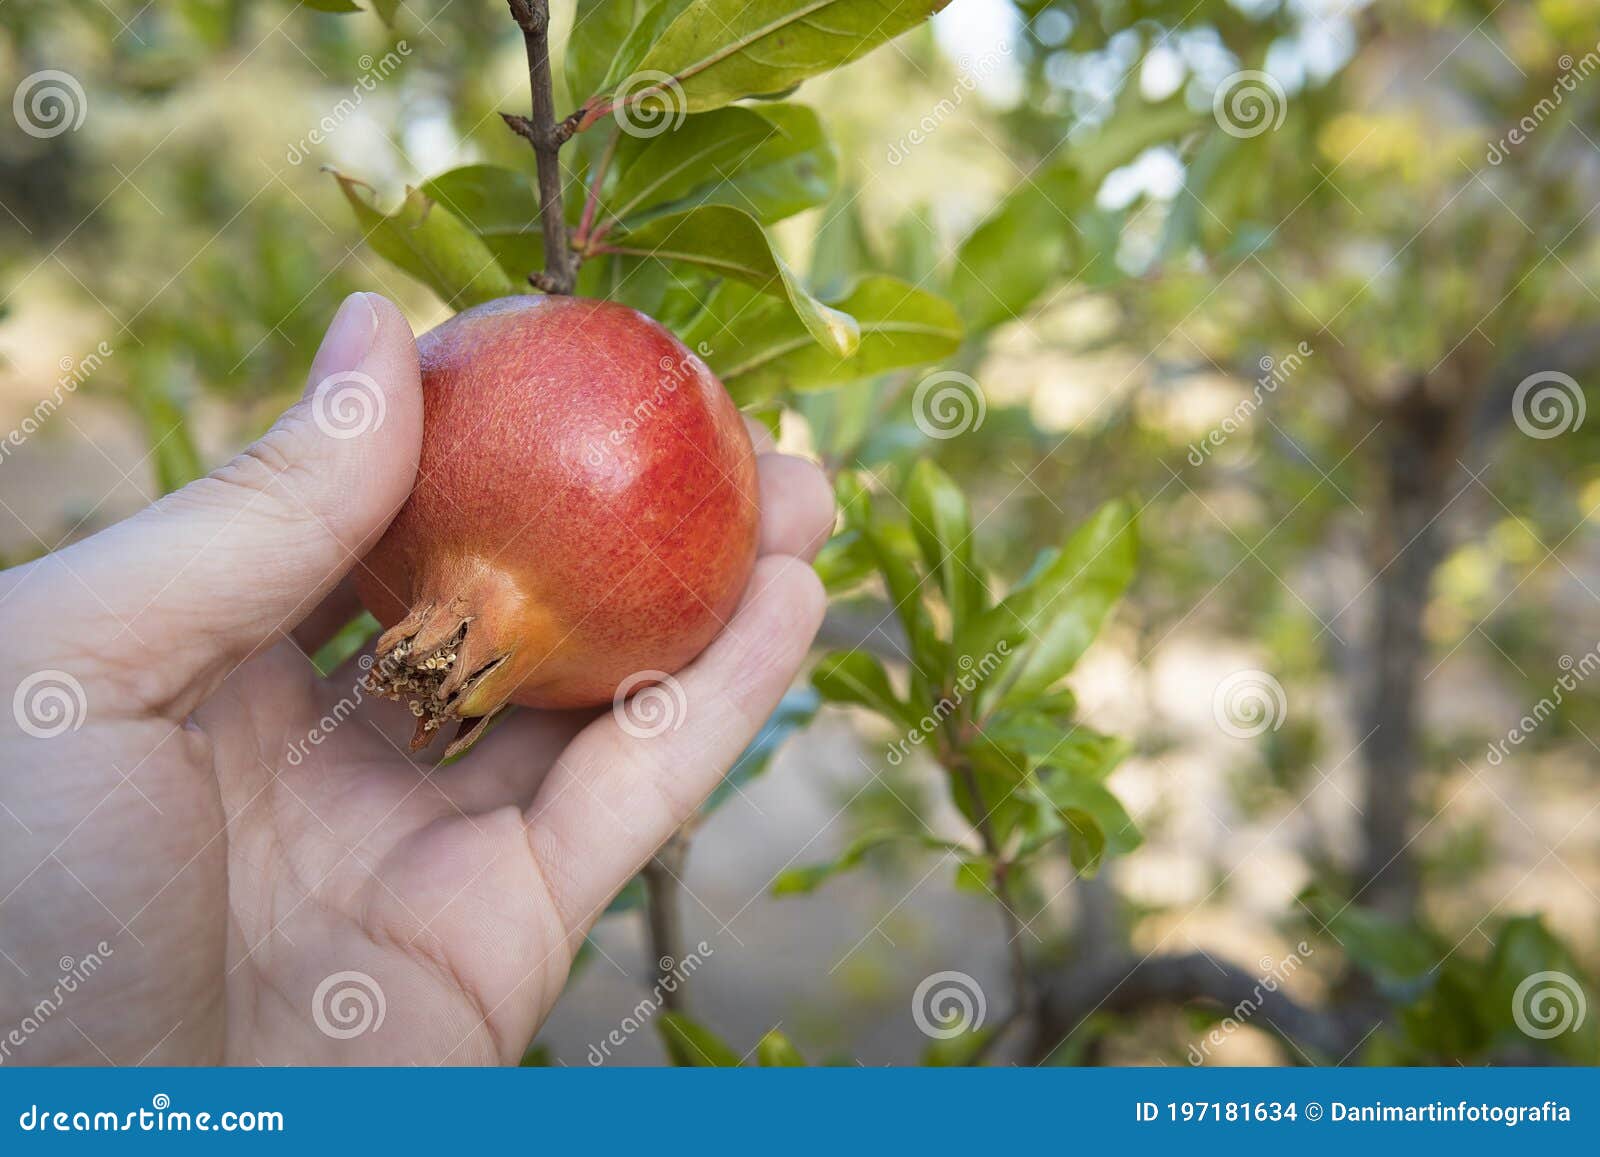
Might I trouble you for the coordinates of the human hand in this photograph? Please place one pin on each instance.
(166, 817)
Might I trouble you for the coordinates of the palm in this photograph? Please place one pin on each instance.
(348, 857)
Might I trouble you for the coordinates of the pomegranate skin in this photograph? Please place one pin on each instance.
(585, 510)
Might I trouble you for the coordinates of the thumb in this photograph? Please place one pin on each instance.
(190, 587)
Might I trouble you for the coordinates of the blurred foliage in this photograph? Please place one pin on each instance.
(1107, 220)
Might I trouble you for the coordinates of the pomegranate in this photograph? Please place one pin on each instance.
(585, 514)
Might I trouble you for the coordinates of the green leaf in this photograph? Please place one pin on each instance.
(771, 163)
(692, 1045)
(857, 677)
(175, 457)
(809, 877)
(896, 561)
(793, 168)
(1018, 250)
(332, 5)
(1097, 824)
(844, 562)
(432, 245)
(349, 639)
(501, 207)
(958, 1051)
(730, 243)
(660, 171)
(942, 524)
(1135, 126)
(1038, 231)
(975, 876)
(1535, 982)
(599, 28)
(646, 32)
(776, 1051)
(720, 51)
(763, 351)
(1051, 619)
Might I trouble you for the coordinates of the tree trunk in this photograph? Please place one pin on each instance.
(1423, 437)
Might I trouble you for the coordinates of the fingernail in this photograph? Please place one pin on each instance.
(348, 339)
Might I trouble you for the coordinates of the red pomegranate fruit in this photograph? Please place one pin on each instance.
(585, 514)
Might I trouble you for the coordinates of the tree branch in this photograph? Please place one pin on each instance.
(663, 877)
(546, 136)
(1127, 984)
